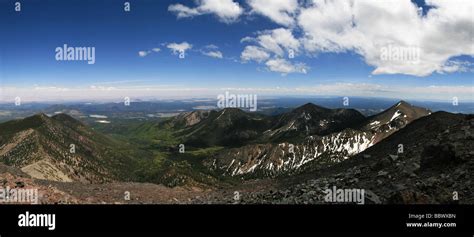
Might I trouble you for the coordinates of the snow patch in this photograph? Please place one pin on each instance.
(396, 115)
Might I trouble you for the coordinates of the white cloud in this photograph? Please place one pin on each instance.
(211, 46)
(226, 10)
(181, 47)
(213, 54)
(275, 44)
(183, 11)
(278, 40)
(284, 67)
(247, 39)
(279, 11)
(143, 53)
(212, 51)
(326, 25)
(368, 27)
(254, 53)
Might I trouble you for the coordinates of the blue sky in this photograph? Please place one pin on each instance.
(29, 39)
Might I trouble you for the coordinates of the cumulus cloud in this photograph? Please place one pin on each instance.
(279, 11)
(370, 27)
(278, 40)
(212, 51)
(393, 36)
(178, 48)
(254, 53)
(272, 48)
(226, 10)
(183, 11)
(213, 54)
(284, 67)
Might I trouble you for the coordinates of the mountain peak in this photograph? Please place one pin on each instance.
(394, 118)
(407, 108)
(310, 107)
(231, 112)
(67, 119)
(231, 109)
(36, 120)
(403, 103)
(63, 116)
(41, 116)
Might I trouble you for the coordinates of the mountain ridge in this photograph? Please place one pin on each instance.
(436, 150)
(60, 148)
(293, 155)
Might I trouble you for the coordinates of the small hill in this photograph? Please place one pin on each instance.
(61, 148)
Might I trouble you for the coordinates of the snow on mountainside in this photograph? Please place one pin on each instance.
(272, 159)
(393, 119)
(275, 159)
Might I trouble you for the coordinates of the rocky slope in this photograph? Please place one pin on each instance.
(54, 192)
(435, 167)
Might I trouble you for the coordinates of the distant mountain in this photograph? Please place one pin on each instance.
(233, 127)
(392, 119)
(61, 148)
(227, 127)
(188, 119)
(311, 119)
(294, 155)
